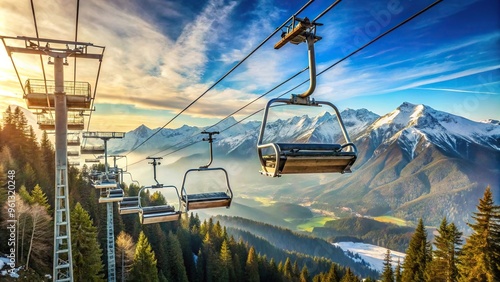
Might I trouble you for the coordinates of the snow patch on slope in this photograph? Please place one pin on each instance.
(371, 254)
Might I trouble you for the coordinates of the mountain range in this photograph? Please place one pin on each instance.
(412, 162)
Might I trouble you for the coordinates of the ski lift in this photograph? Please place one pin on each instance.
(129, 205)
(211, 199)
(297, 32)
(293, 158)
(111, 195)
(110, 190)
(104, 181)
(92, 150)
(161, 213)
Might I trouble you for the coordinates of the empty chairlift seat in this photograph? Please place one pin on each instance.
(156, 214)
(204, 200)
(104, 184)
(105, 181)
(160, 213)
(111, 195)
(129, 205)
(292, 158)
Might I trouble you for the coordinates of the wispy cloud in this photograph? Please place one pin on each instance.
(160, 55)
(458, 90)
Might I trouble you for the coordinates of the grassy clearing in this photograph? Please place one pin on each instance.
(314, 222)
(391, 219)
(264, 201)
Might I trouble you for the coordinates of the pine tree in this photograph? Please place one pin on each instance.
(304, 275)
(25, 195)
(417, 256)
(443, 266)
(144, 266)
(350, 277)
(252, 267)
(176, 270)
(481, 252)
(210, 258)
(332, 275)
(29, 176)
(226, 260)
(387, 273)
(274, 274)
(87, 264)
(187, 252)
(397, 272)
(48, 160)
(295, 271)
(287, 270)
(39, 197)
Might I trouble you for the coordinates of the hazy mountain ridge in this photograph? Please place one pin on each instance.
(414, 161)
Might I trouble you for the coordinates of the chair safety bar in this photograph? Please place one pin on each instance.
(156, 214)
(111, 195)
(206, 200)
(292, 158)
(129, 205)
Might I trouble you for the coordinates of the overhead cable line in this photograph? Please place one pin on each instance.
(233, 113)
(261, 96)
(383, 34)
(76, 40)
(97, 77)
(41, 59)
(326, 10)
(302, 83)
(221, 78)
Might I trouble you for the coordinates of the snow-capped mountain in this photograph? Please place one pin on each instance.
(413, 162)
(419, 162)
(416, 126)
(241, 138)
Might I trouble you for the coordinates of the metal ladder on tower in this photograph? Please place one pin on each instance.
(63, 269)
(110, 232)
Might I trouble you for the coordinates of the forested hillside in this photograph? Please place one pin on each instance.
(367, 230)
(289, 241)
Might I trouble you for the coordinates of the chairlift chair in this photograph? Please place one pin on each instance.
(104, 181)
(111, 195)
(206, 200)
(92, 150)
(294, 158)
(161, 213)
(129, 205)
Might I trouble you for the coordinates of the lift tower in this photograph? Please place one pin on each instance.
(110, 231)
(58, 96)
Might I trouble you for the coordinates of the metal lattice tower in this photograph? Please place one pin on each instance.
(110, 230)
(60, 97)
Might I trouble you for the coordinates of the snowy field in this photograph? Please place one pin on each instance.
(3, 272)
(371, 254)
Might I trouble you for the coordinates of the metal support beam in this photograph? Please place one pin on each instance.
(63, 261)
(110, 230)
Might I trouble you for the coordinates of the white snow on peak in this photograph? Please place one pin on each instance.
(409, 122)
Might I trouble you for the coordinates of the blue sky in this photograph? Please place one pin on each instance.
(160, 55)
